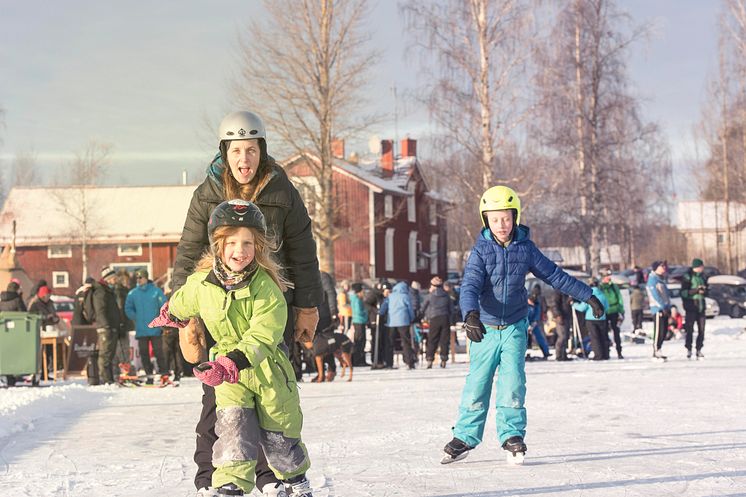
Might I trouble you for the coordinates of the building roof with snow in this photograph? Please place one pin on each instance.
(112, 214)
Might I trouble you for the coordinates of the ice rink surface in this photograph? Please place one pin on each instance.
(628, 427)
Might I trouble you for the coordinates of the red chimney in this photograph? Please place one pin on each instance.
(338, 148)
(387, 158)
(408, 147)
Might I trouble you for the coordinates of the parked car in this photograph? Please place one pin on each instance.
(730, 294)
(712, 308)
(64, 306)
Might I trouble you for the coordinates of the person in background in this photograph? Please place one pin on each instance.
(34, 290)
(44, 307)
(597, 325)
(437, 310)
(173, 361)
(398, 308)
(359, 323)
(636, 305)
(561, 309)
(11, 300)
(693, 291)
(142, 305)
(107, 322)
(675, 324)
(387, 337)
(328, 322)
(121, 289)
(660, 305)
(343, 306)
(615, 314)
(534, 325)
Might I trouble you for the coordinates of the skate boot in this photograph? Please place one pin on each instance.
(229, 489)
(516, 450)
(688, 353)
(700, 355)
(207, 492)
(299, 487)
(455, 450)
(658, 357)
(274, 490)
(442, 364)
(429, 364)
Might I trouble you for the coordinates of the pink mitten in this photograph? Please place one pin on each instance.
(215, 372)
(164, 318)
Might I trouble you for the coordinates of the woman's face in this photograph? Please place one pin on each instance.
(238, 250)
(243, 159)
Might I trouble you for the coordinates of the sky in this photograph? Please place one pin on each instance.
(152, 79)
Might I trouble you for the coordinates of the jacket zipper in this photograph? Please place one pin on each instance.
(505, 283)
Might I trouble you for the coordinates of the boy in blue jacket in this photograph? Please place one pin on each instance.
(494, 304)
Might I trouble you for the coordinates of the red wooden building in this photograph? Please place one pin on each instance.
(392, 225)
(123, 227)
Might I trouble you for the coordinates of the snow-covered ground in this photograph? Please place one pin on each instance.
(617, 428)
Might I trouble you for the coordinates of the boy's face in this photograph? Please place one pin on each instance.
(501, 224)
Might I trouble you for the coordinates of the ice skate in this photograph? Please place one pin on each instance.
(688, 354)
(658, 357)
(700, 355)
(442, 364)
(301, 488)
(229, 489)
(455, 450)
(207, 492)
(274, 490)
(516, 450)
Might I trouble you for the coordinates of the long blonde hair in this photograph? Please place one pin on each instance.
(264, 248)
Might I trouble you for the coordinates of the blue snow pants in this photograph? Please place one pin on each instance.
(502, 350)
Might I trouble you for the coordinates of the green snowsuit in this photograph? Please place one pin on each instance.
(263, 408)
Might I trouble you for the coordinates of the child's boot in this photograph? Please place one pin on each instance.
(230, 489)
(455, 450)
(516, 450)
(274, 490)
(299, 487)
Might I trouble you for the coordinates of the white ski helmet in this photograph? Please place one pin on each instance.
(241, 125)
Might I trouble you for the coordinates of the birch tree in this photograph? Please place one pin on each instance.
(304, 70)
(87, 169)
(591, 125)
(474, 58)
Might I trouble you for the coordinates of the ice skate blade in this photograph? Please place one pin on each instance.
(448, 458)
(515, 459)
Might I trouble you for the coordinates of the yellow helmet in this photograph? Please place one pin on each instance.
(499, 198)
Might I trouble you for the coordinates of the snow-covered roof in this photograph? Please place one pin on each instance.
(370, 172)
(115, 214)
(708, 215)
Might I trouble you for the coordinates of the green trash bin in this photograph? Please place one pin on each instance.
(20, 348)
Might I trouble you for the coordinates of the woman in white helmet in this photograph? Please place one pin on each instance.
(243, 169)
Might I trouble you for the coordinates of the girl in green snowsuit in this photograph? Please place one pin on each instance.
(237, 290)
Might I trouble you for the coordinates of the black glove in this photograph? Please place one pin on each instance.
(473, 327)
(596, 305)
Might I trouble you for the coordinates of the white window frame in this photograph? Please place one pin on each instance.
(127, 253)
(411, 206)
(434, 254)
(433, 211)
(388, 206)
(412, 251)
(389, 249)
(65, 284)
(66, 255)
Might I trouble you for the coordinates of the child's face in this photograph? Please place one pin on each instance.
(501, 224)
(238, 251)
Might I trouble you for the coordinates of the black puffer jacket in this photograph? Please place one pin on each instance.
(287, 220)
(11, 302)
(437, 303)
(105, 304)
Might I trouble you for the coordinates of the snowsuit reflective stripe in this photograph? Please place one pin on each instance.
(263, 408)
(502, 350)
